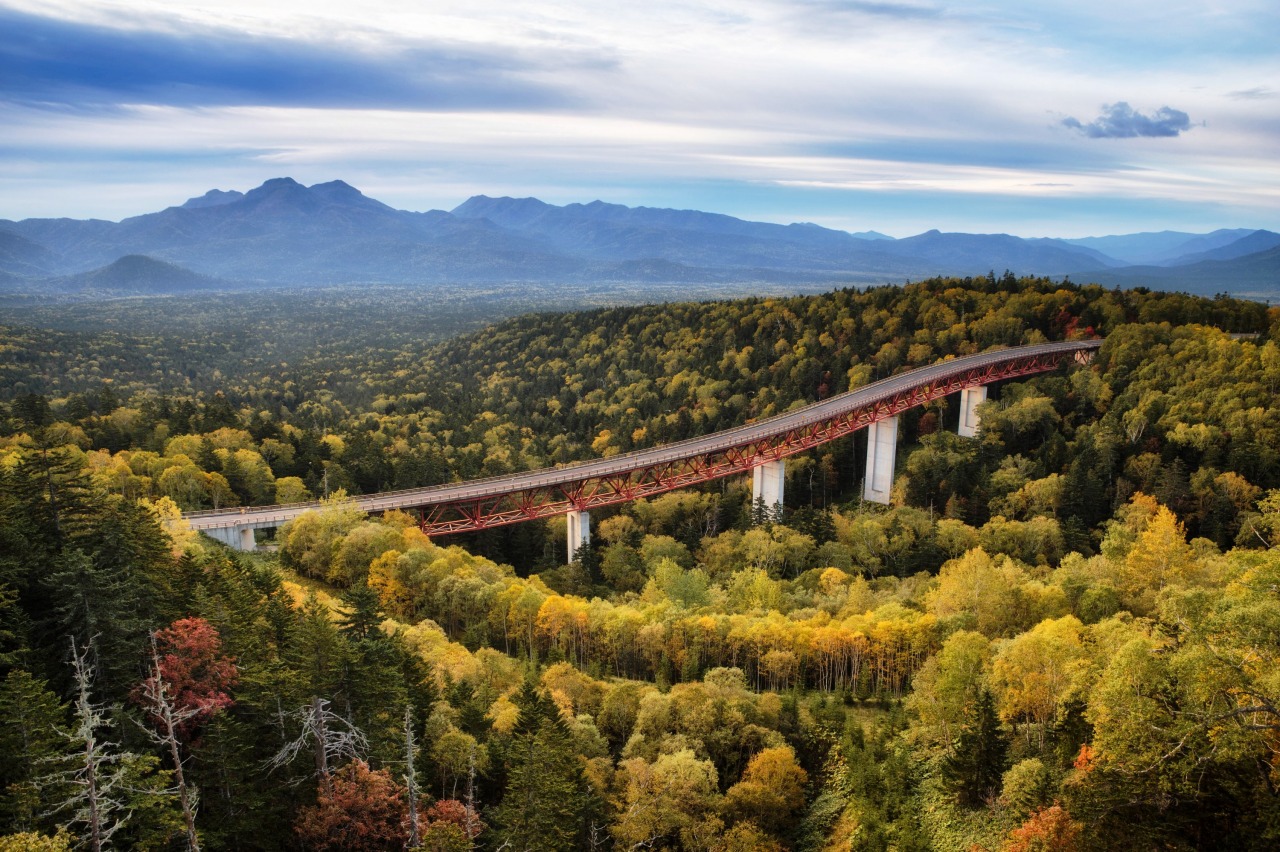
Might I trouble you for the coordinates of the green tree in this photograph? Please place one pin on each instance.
(32, 735)
(975, 767)
(545, 802)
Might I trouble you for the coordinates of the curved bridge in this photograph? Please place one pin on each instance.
(758, 447)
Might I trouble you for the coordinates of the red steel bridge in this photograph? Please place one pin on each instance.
(577, 488)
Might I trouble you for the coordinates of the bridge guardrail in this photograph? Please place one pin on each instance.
(878, 391)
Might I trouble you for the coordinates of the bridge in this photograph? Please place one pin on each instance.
(758, 447)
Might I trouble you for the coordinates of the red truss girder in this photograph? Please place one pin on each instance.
(648, 480)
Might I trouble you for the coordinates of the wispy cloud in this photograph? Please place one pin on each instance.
(55, 61)
(871, 113)
(1121, 121)
(904, 11)
(1257, 93)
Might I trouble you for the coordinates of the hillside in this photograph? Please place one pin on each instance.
(1061, 631)
(1252, 276)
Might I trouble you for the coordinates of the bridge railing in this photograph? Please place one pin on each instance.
(879, 391)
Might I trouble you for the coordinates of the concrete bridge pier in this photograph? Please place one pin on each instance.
(579, 532)
(882, 455)
(969, 400)
(237, 538)
(767, 483)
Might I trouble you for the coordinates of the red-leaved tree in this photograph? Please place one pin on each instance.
(196, 675)
(363, 813)
(454, 812)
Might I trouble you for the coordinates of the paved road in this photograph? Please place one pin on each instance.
(267, 516)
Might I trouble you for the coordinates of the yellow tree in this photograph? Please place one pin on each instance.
(1160, 557)
(771, 792)
(1034, 673)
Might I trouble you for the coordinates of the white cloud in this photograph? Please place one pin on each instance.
(912, 96)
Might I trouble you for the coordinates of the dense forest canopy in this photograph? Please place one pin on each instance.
(1061, 635)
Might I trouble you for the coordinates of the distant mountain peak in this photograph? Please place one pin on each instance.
(138, 273)
(277, 183)
(213, 198)
(337, 188)
(504, 211)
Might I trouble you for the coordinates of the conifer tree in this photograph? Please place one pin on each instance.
(32, 735)
(544, 805)
(976, 765)
(99, 609)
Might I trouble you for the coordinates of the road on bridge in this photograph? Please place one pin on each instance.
(516, 497)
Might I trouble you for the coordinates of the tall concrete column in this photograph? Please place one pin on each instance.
(579, 532)
(237, 537)
(882, 454)
(969, 400)
(767, 483)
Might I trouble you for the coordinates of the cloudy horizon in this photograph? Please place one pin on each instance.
(1066, 119)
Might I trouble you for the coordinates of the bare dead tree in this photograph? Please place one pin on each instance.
(332, 738)
(97, 776)
(473, 826)
(411, 780)
(168, 718)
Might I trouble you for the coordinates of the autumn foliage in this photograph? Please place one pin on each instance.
(1047, 830)
(364, 813)
(196, 674)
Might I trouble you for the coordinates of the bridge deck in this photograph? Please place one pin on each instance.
(622, 465)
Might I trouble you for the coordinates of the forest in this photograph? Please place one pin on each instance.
(1062, 634)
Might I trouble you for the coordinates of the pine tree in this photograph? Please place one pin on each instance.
(99, 609)
(544, 805)
(975, 767)
(363, 615)
(32, 734)
(371, 682)
(317, 650)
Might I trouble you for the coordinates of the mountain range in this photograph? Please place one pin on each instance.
(285, 234)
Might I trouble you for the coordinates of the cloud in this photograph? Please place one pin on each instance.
(1121, 121)
(903, 11)
(1257, 93)
(52, 61)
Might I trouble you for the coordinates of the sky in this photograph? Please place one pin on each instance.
(1070, 119)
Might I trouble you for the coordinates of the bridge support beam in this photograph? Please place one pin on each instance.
(767, 483)
(579, 532)
(237, 538)
(882, 454)
(969, 400)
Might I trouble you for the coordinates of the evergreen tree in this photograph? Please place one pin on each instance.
(544, 805)
(363, 616)
(32, 734)
(99, 609)
(977, 762)
(1084, 496)
(317, 650)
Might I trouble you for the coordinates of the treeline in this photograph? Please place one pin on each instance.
(726, 705)
(1061, 635)
(547, 389)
